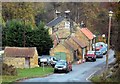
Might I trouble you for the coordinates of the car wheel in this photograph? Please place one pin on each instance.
(55, 71)
(52, 66)
(66, 71)
(40, 64)
(94, 60)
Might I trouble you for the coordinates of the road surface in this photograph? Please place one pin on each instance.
(80, 73)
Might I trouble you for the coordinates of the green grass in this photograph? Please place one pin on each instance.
(28, 73)
(98, 78)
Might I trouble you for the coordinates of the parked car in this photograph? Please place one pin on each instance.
(52, 61)
(43, 60)
(63, 65)
(90, 56)
(47, 60)
(99, 54)
(103, 50)
(99, 45)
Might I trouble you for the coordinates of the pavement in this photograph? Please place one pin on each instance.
(81, 73)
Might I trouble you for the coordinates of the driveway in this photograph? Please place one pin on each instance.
(80, 73)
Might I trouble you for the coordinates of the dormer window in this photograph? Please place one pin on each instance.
(67, 25)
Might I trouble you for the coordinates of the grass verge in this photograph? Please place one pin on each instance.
(96, 79)
(27, 73)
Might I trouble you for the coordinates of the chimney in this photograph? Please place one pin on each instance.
(67, 13)
(57, 13)
(71, 26)
(82, 24)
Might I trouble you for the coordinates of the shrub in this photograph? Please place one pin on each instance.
(8, 70)
(118, 56)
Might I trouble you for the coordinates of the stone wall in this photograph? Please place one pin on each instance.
(61, 48)
(78, 47)
(34, 60)
(17, 62)
(82, 38)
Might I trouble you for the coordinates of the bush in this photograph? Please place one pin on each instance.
(8, 70)
(118, 56)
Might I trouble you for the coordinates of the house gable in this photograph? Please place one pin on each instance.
(87, 33)
(80, 43)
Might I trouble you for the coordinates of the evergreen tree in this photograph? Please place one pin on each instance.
(18, 34)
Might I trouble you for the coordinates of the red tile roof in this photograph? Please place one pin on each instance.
(19, 51)
(87, 33)
(80, 43)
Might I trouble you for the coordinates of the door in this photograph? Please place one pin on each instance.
(60, 55)
(27, 62)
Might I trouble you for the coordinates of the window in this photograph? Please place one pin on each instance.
(67, 25)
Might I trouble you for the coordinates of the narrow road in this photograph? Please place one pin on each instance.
(80, 72)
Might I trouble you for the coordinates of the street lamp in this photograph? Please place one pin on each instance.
(103, 35)
(110, 17)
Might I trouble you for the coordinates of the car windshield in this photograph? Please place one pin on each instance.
(104, 49)
(90, 52)
(61, 63)
(97, 52)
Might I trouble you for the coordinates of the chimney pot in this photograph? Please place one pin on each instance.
(67, 13)
(57, 13)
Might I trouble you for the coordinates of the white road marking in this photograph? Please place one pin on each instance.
(90, 75)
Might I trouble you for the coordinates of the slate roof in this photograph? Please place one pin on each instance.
(55, 21)
(87, 33)
(71, 45)
(19, 51)
(80, 43)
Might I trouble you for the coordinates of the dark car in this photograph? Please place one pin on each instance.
(99, 54)
(62, 65)
(90, 56)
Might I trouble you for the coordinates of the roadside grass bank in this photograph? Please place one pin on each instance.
(113, 75)
(98, 78)
(27, 73)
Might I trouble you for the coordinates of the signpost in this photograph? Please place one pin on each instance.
(43, 66)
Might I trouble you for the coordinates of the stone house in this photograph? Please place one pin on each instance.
(62, 26)
(61, 30)
(62, 48)
(72, 47)
(89, 35)
(81, 47)
(21, 57)
(86, 36)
